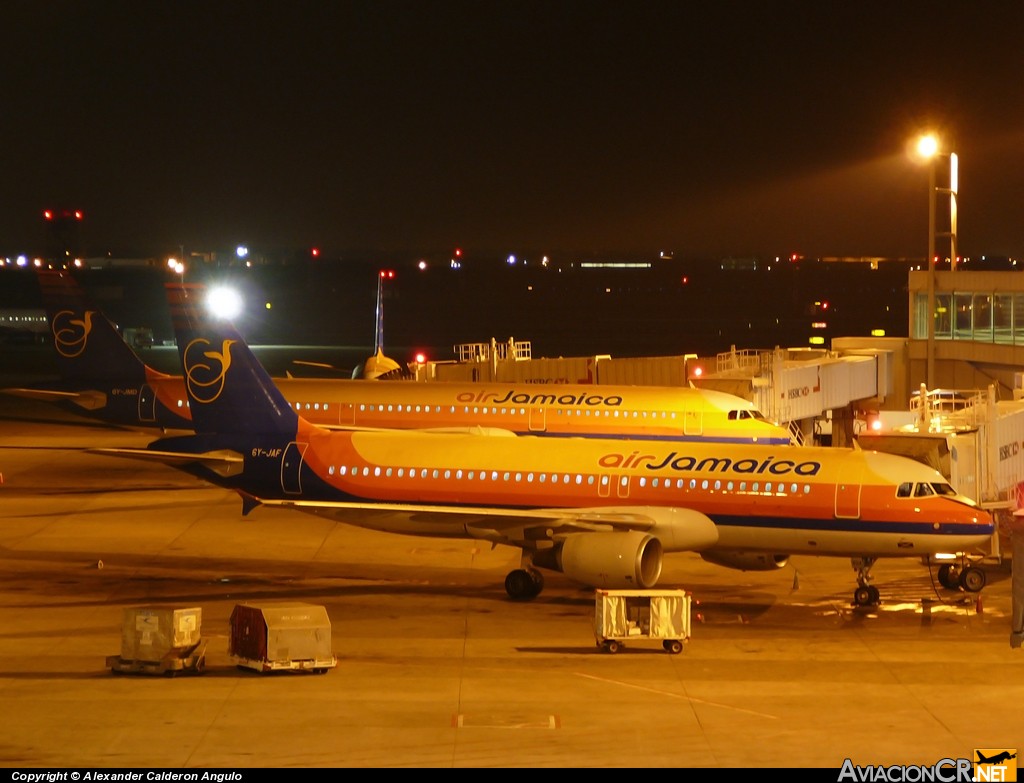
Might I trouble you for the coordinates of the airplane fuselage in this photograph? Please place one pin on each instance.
(797, 500)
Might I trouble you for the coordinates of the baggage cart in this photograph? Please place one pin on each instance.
(272, 637)
(160, 640)
(628, 616)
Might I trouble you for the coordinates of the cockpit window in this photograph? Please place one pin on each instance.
(905, 490)
(942, 488)
(923, 490)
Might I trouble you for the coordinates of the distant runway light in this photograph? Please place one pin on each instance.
(224, 302)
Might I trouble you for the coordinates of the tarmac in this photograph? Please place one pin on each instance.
(437, 668)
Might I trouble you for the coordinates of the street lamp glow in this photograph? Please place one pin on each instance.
(223, 302)
(927, 146)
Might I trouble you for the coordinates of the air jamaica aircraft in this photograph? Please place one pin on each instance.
(104, 378)
(603, 511)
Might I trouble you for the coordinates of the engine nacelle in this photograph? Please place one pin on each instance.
(614, 561)
(747, 561)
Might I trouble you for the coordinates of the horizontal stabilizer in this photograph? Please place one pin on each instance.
(87, 400)
(224, 462)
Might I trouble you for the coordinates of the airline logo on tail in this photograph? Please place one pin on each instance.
(70, 334)
(206, 370)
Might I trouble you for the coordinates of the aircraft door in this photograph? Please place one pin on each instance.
(848, 490)
(147, 403)
(604, 485)
(291, 468)
(538, 419)
(693, 422)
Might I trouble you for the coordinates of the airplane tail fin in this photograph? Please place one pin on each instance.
(229, 391)
(87, 345)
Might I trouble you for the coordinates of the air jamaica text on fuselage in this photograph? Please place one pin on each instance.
(513, 397)
(681, 462)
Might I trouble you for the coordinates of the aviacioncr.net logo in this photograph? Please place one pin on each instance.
(205, 369)
(71, 333)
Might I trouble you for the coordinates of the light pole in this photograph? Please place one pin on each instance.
(928, 148)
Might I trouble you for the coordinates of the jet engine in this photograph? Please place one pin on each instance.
(747, 561)
(614, 561)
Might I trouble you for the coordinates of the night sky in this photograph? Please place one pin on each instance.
(707, 129)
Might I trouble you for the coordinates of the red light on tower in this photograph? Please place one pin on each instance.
(78, 214)
(387, 274)
(48, 214)
(315, 252)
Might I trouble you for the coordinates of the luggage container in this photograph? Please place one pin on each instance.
(160, 640)
(281, 637)
(622, 616)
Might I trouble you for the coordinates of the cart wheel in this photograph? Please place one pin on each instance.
(611, 646)
(674, 646)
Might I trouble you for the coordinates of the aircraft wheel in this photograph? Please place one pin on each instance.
(949, 576)
(866, 595)
(611, 646)
(973, 579)
(522, 585)
(674, 646)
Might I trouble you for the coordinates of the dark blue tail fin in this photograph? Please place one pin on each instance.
(229, 391)
(87, 345)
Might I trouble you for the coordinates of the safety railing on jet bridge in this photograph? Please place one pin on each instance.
(482, 352)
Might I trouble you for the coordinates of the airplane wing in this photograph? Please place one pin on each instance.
(88, 400)
(224, 463)
(683, 529)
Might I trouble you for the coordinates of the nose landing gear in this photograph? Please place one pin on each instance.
(866, 593)
(962, 576)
